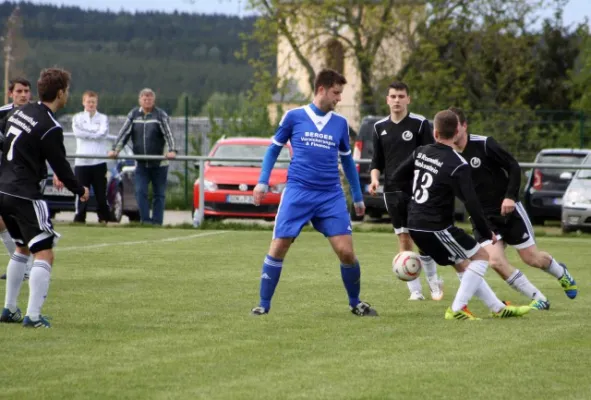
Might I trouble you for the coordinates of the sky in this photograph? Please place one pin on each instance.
(575, 11)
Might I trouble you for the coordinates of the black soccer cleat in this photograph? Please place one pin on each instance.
(363, 310)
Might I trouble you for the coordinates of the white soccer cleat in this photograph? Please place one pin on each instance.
(436, 287)
(416, 296)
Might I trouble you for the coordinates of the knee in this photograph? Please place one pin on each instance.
(346, 254)
(279, 248)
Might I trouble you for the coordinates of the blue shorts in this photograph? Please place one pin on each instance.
(326, 210)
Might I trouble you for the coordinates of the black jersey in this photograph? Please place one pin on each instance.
(439, 174)
(392, 144)
(32, 138)
(495, 173)
(4, 112)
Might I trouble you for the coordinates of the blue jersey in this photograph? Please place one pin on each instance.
(317, 140)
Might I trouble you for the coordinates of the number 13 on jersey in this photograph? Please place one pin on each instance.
(16, 132)
(424, 182)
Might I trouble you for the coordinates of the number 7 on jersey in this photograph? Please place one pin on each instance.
(16, 132)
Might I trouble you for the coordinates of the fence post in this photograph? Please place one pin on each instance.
(186, 150)
(201, 190)
(581, 129)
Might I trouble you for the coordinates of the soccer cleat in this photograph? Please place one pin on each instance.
(511, 311)
(539, 305)
(259, 311)
(436, 287)
(568, 283)
(8, 316)
(42, 322)
(463, 314)
(25, 278)
(363, 310)
(416, 296)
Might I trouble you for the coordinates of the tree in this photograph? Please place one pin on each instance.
(15, 48)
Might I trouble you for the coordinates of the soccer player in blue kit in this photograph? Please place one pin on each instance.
(313, 192)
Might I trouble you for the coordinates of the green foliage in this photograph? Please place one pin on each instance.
(118, 54)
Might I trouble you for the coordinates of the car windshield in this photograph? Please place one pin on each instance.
(558, 159)
(585, 173)
(247, 151)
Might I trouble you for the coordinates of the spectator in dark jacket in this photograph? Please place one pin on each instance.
(148, 128)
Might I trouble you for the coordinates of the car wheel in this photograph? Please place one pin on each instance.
(354, 217)
(537, 221)
(117, 206)
(566, 228)
(134, 216)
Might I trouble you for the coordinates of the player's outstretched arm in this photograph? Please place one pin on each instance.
(269, 160)
(464, 188)
(55, 153)
(509, 164)
(350, 171)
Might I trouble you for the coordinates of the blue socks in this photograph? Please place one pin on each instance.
(351, 274)
(269, 278)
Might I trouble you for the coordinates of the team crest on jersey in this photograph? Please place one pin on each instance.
(407, 135)
(475, 162)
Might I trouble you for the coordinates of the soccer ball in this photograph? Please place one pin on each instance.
(407, 266)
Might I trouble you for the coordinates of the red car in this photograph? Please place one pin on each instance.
(229, 184)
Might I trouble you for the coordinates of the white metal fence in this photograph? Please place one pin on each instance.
(201, 160)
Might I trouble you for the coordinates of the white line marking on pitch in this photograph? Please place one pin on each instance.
(170, 239)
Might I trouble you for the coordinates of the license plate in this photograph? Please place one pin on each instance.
(379, 190)
(52, 191)
(558, 201)
(240, 199)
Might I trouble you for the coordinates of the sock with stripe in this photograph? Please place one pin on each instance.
(554, 269)
(269, 279)
(469, 284)
(14, 279)
(38, 288)
(8, 242)
(351, 274)
(488, 297)
(415, 286)
(430, 267)
(519, 282)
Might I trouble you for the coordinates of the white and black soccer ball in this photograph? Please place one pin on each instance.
(407, 266)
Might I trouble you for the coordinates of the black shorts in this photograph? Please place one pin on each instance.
(447, 247)
(514, 229)
(397, 207)
(28, 222)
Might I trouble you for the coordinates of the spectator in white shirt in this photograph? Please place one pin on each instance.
(91, 129)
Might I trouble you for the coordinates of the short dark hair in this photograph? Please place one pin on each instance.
(327, 78)
(460, 113)
(446, 124)
(398, 85)
(20, 80)
(51, 81)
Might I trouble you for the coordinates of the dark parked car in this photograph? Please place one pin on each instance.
(545, 187)
(120, 187)
(363, 149)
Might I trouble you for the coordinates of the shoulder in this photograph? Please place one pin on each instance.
(456, 159)
(133, 112)
(341, 118)
(416, 117)
(292, 114)
(161, 113)
(380, 122)
(478, 138)
(102, 116)
(78, 115)
(7, 107)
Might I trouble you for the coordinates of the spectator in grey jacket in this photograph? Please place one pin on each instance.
(149, 130)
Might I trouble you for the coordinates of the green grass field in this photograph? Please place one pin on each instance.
(164, 314)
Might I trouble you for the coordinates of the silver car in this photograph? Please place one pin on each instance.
(576, 202)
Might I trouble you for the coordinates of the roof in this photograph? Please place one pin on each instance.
(565, 150)
(245, 140)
